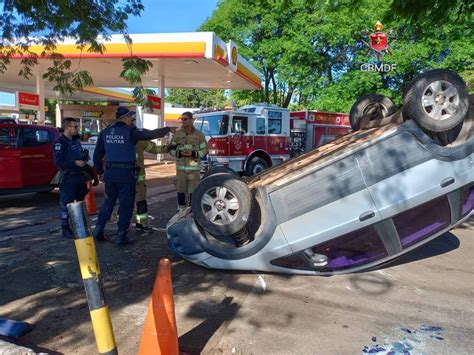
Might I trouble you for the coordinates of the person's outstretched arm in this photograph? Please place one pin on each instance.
(147, 134)
(152, 148)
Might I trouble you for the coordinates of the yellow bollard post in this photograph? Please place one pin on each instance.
(90, 271)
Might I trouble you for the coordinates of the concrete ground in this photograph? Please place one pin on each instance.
(421, 304)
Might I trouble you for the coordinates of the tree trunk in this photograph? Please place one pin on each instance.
(266, 84)
(275, 93)
(288, 97)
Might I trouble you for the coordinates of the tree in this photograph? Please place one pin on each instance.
(310, 51)
(197, 97)
(298, 45)
(31, 22)
(432, 12)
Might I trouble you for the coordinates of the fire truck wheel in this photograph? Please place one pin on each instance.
(437, 101)
(374, 106)
(255, 166)
(219, 169)
(221, 204)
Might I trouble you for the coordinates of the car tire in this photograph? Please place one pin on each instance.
(221, 204)
(255, 166)
(437, 101)
(218, 170)
(375, 105)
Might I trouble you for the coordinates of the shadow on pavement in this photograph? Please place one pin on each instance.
(40, 283)
(214, 315)
(440, 245)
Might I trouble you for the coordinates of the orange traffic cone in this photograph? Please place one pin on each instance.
(90, 199)
(160, 335)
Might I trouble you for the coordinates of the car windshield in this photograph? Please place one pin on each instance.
(214, 125)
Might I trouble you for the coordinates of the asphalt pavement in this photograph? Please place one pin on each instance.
(420, 304)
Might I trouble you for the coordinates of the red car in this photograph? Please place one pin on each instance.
(26, 158)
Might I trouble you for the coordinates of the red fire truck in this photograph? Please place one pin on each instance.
(248, 140)
(311, 129)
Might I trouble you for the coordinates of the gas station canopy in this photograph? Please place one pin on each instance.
(180, 60)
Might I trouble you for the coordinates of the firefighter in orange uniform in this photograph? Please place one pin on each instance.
(188, 145)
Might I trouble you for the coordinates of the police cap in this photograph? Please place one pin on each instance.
(123, 112)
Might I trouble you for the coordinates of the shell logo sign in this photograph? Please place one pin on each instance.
(233, 55)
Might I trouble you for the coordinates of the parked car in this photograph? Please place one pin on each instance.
(350, 205)
(26, 160)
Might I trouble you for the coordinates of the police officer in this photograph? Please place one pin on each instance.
(188, 145)
(117, 144)
(141, 213)
(69, 158)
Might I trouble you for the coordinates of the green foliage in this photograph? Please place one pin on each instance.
(197, 98)
(82, 20)
(310, 51)
(141, 96)
(134, 68)
(432, 12)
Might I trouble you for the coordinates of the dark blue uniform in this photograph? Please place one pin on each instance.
(117, 144)
(72, 184)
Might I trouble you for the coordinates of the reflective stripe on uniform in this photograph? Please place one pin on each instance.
(188, 168)
(149, 146)
(141, 217)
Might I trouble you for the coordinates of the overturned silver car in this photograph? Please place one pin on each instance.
(399, 180)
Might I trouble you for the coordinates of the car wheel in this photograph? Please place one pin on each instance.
(221, 204)
(255, 166)
(437, 101)
(373, 106)
(218, 170)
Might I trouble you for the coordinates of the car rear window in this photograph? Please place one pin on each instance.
(4, 137)
(34, 137)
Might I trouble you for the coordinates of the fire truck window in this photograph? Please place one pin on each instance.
(35, 137)
(212, 125)
(274, 126)
(261, 129)
(240, 124)
(275, 114)
(223, 125)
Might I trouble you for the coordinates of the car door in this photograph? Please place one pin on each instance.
(329, 211)
(10, 167)
(37, 164)
(409, 186)
(240, 142)
(260, 134)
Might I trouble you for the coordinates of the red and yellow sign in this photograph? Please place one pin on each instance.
(27, 100)
(155, 100)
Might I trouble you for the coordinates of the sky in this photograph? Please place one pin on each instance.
(171, 16)
(160, 16)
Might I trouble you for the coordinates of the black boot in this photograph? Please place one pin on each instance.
(122, 239)
(99, 235)
(142, 228)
